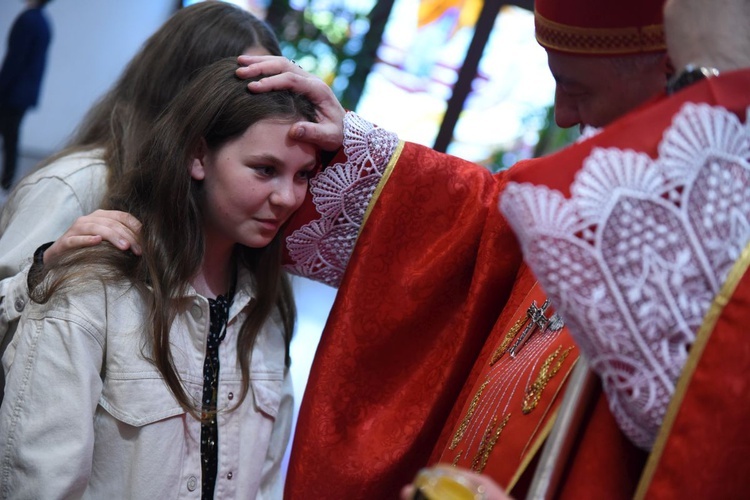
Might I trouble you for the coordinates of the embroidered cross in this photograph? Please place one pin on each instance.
(536, 321)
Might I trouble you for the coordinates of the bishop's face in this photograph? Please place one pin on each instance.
(595, 91)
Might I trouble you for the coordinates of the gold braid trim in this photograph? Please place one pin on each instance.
(489, 440)
(507, 340)
(535, 443)
(534, 392)
(459, 435)
(601, 41)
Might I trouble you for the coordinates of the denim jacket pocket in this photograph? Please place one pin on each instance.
(267, 395)
(139, 401)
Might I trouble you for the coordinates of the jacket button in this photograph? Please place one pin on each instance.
(192, 483)
(20, 304)
(196, 311)
(230, 396)
(230, 475)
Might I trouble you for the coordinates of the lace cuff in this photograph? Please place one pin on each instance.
(341, 194)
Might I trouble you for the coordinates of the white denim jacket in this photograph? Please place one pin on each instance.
(42, 207)
(86, 416)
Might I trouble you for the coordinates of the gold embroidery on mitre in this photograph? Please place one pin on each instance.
(470, 413)
(534, 392)
(612, 41)
(489, 440)
(507, 340)
(458, 457)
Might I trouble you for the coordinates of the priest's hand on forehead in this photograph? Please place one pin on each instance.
(281, 73)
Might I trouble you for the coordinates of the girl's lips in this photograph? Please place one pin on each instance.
(269, 223)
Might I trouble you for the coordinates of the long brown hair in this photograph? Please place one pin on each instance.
(159, 190)
(189, 40)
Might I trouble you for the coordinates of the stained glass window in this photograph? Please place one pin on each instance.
(409, 78)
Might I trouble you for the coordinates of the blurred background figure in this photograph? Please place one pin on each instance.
(21, 79)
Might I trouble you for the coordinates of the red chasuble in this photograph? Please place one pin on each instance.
(694, 176)
(434, 284)
(431, 272)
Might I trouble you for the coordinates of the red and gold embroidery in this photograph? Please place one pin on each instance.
(489, 440)
(532, 334)
(534, 392)
(467, 418)
(507, 340)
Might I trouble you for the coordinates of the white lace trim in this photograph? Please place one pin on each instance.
(588, 132)
(341, 193)
(635, 257)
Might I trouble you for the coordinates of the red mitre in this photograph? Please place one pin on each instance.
(599, 27)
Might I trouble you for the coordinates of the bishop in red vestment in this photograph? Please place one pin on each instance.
(654, 212)
(440, 345)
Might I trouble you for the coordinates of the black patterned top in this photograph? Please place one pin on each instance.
(210, 429)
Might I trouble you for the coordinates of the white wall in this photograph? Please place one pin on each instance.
(92, 40)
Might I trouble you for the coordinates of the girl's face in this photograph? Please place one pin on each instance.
(253, 184)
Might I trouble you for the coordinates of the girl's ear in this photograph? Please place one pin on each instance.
(198, 163)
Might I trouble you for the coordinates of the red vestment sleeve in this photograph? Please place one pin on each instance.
(431, 271)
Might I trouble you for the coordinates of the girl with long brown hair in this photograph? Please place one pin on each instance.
(159, 375)
(71, 183)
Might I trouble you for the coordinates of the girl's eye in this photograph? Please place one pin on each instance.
(305, 174)
(265, 170)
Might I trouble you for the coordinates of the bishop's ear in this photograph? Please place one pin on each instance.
(199, 161)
